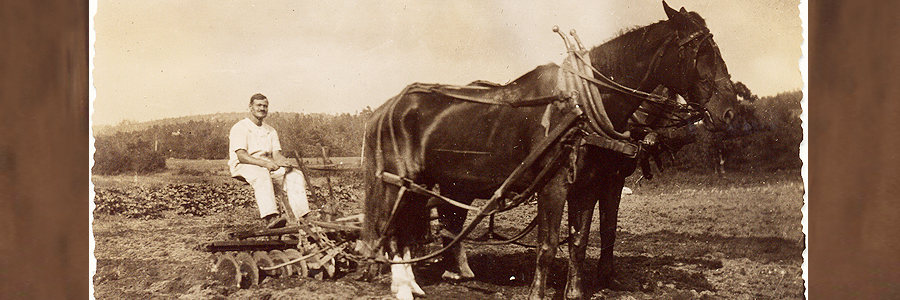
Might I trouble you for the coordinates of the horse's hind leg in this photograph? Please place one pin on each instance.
(407, 229)
(403, 281)
(452, 218)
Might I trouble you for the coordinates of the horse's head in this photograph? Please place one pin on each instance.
(696, 68)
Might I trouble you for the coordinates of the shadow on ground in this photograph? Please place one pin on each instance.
(644, 263)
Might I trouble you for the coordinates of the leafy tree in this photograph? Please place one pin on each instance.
(118, 155)
(764, 136)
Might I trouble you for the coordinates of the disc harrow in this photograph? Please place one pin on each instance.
(304, 248)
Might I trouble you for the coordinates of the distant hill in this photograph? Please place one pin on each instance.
(232, 117)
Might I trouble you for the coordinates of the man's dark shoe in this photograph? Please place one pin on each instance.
(275, 221)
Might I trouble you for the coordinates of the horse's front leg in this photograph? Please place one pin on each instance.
(581, 211)
(609, 210)
(550, 207)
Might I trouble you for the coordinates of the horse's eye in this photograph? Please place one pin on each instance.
(706, 66)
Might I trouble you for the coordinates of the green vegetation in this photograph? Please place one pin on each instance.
(184, 199)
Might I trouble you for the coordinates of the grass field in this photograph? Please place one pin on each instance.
(680, 236)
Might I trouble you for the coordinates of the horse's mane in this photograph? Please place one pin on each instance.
(620, 51)
(615, 54)
(627, 30)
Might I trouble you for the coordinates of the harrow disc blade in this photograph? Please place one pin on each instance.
(249, 270)
(263, 260)
(279, 258)
(227, 271)
(300, 267)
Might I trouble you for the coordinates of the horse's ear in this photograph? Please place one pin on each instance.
(669, 11)
(679, 19)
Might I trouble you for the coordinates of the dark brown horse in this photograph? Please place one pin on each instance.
(466, 141)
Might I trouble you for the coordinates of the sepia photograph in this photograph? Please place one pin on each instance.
(447, 150)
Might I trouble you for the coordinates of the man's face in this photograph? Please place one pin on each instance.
(259, 108)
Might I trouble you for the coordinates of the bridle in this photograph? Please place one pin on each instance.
(707, 84)
(669, 107)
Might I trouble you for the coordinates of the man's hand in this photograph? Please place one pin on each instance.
(287, 162)
(271, 166)
(283, 161)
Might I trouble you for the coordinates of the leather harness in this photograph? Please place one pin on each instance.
(587, 120)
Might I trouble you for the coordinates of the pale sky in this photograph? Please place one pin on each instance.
(172, 58)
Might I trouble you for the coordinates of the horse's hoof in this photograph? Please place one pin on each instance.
(468, 274)
(404, 293)
(533, 296)
(455, 276)
(578, 295)
(451, 276)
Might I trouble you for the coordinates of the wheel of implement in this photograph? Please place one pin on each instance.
(263, 261)
(249, 270)
(300, 267)
(279, 258)
(227, 271)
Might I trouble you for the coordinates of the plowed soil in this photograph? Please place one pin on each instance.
(680, 236)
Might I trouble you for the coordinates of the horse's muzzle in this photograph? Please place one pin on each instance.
(710, 123)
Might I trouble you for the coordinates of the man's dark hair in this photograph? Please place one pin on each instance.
(257, 96)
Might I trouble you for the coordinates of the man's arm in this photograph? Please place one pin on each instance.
(245, 158)
(283, 161)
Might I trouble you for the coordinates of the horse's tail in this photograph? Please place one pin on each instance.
(379, 142)
(389, 148)
(373, 200)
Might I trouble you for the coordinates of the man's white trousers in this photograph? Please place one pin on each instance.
(264, 183)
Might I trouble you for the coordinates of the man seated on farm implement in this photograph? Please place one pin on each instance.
(255, 157)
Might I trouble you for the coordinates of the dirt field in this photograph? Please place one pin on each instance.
(680, 236)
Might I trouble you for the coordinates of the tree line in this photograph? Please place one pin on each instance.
(146, 150)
